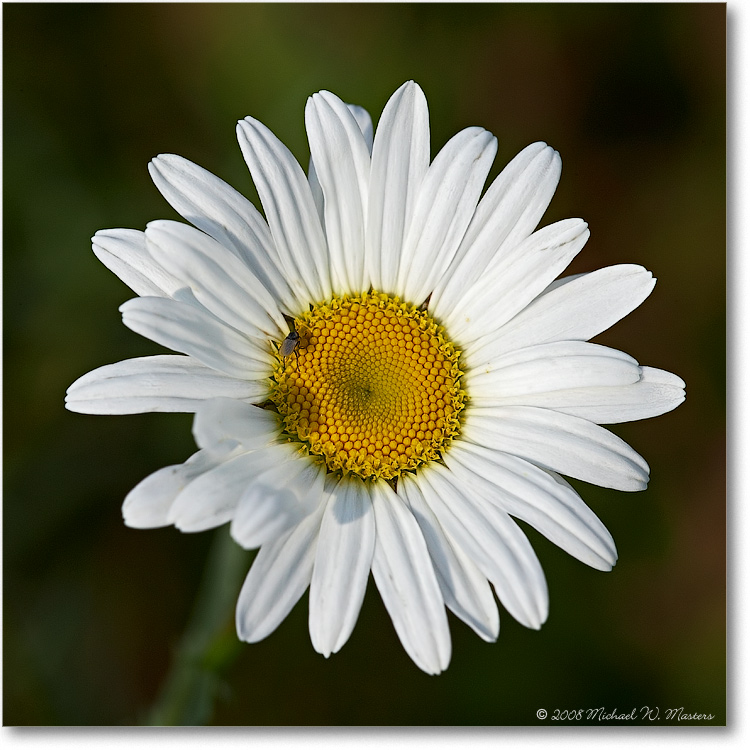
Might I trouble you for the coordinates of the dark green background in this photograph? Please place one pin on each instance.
(633, 96)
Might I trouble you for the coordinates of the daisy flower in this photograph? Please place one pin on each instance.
(386, 371)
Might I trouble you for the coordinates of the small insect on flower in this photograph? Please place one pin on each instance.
(290, 344)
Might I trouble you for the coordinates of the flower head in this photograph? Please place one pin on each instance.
(386, 371)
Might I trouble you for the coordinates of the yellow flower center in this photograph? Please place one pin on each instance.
(372, 386)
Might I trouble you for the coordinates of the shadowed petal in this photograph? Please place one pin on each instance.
(220, 281)
(342, 164)
(290, 211)
(278, 499)
(463, 586)
(493, 541)
(191, 330)
(221, 212)
(342, 565)
(406, 580)
(279, 576)
(537, 497)
(507, 214)
(445, 204)
(148, 504)
(123, 251)
(507, 287)
(211, 499)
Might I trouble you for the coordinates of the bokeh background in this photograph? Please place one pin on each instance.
(633, 96)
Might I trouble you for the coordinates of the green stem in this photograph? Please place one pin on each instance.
(209, 643)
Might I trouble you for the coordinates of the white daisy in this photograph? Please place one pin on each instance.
(385, 372)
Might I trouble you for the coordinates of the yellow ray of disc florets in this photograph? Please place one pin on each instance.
(373, 386)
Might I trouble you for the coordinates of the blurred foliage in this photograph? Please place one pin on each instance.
(632, 95)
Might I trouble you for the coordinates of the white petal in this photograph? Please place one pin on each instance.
(342, 565)
(578, 308)
(551, 367)
(657, 392)
(211, 499)
(508, 213)
(342, 164)
(164, 382)
(537, 497)
(124, 252)
(224, 419)
(317, 192)
(189, 329)
(464, 587)
(290, 211)
(400, 158)
(406, 580)
(279, 576)
(569, 445)
(221, 212)
(512, 283)
(147, 505)
(492, 539)
(278, 499)
(364, 122)
(220, 281)
(446, 202)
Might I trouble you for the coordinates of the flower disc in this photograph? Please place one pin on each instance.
(373, 386)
